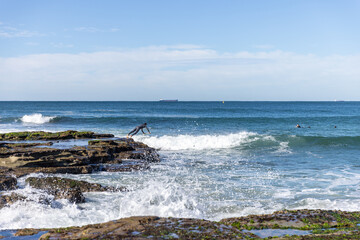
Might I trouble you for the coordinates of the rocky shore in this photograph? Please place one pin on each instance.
(33, 152)
(24, 153)
(296, 224)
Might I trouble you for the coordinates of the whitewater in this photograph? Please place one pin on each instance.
(217, 160)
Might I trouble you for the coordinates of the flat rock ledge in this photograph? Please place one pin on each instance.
(20, 158)
(316, 224)
(41, 135)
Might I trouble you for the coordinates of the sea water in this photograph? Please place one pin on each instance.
(218, 159)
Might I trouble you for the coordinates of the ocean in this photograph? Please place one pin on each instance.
(218, 159)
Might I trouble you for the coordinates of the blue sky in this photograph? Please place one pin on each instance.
(190, 50)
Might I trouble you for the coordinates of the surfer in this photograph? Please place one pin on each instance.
(298, 126)
(137, 129)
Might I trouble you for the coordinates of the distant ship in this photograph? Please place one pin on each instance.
(168, 100)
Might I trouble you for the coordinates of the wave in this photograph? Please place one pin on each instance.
(37, 118)
(201, 142)
(246, 140)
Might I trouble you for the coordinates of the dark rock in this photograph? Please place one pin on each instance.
(59, 187)
(297, 219)
(68, 188)
(72, 194)
(10, 199)
(187, 228)
(7, 183)
(47, 183)
(41, 135)
(102, 135)
(23, 171)
(25, 158)
(145, 228)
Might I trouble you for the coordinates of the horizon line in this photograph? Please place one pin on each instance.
(180, 101)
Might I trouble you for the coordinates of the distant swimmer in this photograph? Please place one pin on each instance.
(298, 126)
(137, 129)
(334, 126)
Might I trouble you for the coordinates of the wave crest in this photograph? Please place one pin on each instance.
(36, 118)
(246, 141)
(201, 142)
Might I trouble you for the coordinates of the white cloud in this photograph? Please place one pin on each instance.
(12, 32)
(62, 45)
(186, 72)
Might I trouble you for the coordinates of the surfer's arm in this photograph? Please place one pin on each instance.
(148, 130)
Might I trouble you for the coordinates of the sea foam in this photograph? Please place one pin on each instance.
(36, 118)
(201, 142)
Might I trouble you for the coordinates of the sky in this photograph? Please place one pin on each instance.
(135, 50)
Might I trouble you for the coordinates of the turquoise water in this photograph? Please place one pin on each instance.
(218, 159)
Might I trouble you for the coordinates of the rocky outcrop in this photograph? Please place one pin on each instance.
(99, 155)
(344, 226)
(7, 183)
(69, 189)
(22, 158)
(10, 199)
(41, 135)
(145, 228)
(46, 183)
(297, 219)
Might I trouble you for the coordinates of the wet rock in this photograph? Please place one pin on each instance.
(24, 158)
(59, 187)
(20, 172)
(42, 157)
(145, 228)
(24, 145)
(41, 135)
(297, 219)
(7, 183)
(10, 199)
(47, 183)
(72, 194)
(187, 228)
(64, 188)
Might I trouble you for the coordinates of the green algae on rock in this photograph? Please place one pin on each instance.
(297, 219)
(189, 228)
(146, 227)
(41, 135)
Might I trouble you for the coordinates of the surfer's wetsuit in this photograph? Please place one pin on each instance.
(137, 129)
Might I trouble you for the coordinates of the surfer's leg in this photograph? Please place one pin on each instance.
(136, 130)
(131, 132)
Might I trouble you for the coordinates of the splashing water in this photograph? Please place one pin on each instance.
(36, 118)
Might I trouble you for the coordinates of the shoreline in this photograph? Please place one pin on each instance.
(285, 224)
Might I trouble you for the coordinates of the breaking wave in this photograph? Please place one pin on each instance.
(36, 118)
(245, 140)
(201, 142)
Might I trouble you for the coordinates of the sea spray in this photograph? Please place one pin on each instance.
(198, 142)
(36, 118)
